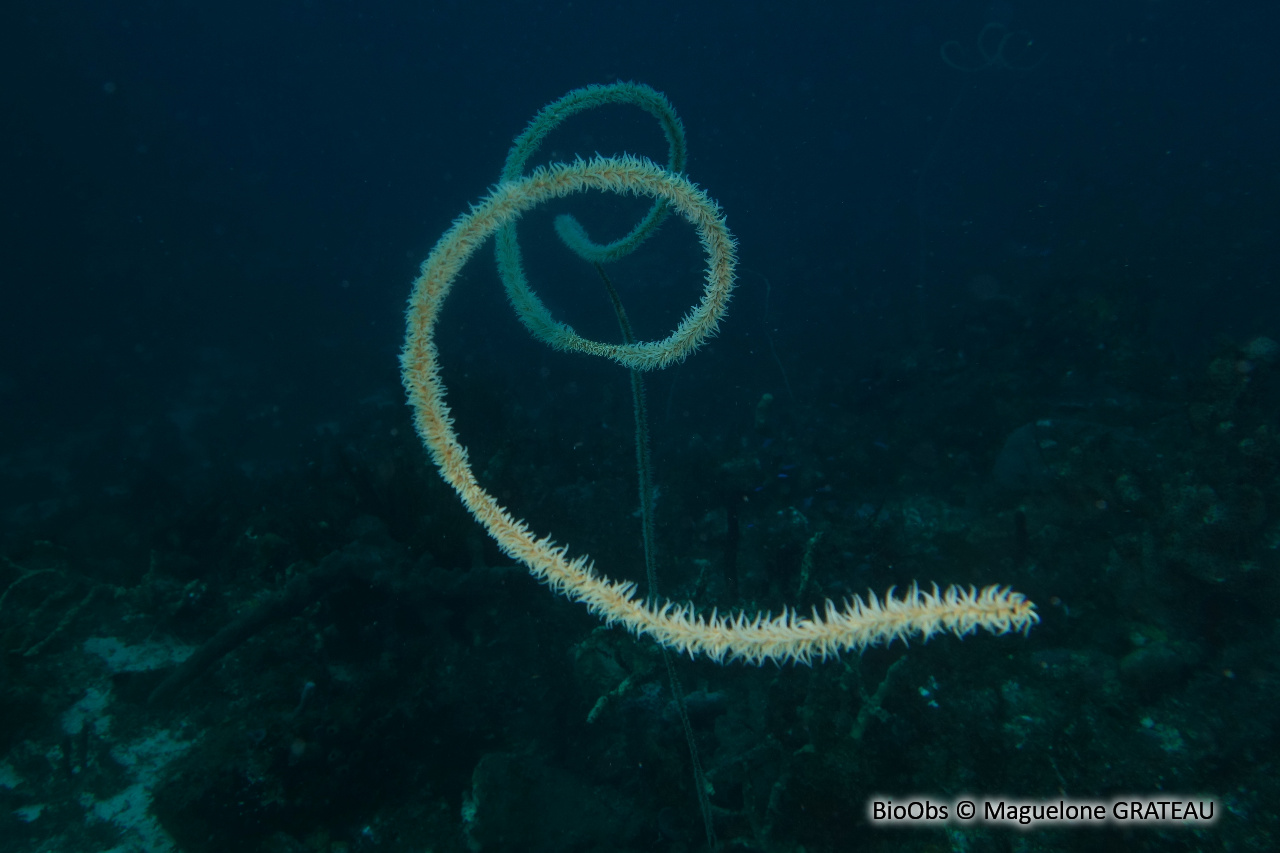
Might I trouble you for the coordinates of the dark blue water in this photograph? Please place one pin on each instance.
(1006, 314)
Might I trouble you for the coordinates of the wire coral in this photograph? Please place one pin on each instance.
(788, 637)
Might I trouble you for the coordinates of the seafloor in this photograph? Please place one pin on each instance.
(327, 654)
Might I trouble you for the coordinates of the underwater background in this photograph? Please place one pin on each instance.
(1005, 314)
